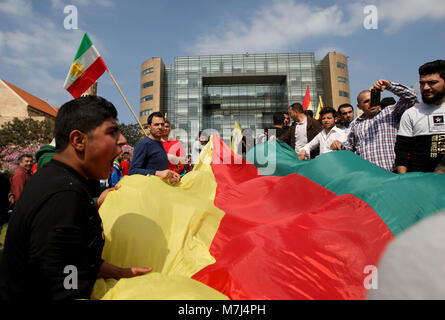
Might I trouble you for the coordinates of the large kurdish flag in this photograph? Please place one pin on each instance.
(86, 68)
(308, 230)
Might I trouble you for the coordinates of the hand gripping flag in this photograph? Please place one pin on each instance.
(86, 68)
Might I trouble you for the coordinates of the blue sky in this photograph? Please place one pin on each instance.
(36, 50)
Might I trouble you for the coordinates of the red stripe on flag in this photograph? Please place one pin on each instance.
(290, 238)
(87, 79)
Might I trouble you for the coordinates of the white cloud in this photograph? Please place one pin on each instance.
(280, 25)
(16, 7)
(62, 3)
(40, 52)
(42, 44)
(276, 26)
(321, 53)
(45, 86)
(398, 13)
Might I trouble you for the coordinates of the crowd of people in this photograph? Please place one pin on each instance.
(55, 220)
(398, 136)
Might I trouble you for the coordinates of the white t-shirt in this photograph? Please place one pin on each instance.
(325, 141)
(423, 119)
(300, 135)
(196, 150)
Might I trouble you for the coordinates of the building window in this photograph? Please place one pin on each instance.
(149, 70)
(342, 79)
(146, 112)
(147, 98)
(341, 65)
(147, 84)
(344, 94)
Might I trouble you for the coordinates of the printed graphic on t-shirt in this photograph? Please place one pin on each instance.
(437, 145)
(436, 123)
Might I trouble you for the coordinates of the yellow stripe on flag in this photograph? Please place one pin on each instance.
(143, 227)
(76, 69)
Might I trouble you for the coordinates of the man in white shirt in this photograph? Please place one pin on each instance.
(326, 137)
(346, 113)
(197, 147)
(303, 129)
(420, 144)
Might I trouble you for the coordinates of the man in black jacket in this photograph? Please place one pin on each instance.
(55, 238)
(302, 130)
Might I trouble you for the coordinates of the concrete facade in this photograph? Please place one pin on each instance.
(152, 72)
(335, 80)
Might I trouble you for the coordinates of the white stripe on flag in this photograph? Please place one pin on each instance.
(86, 60)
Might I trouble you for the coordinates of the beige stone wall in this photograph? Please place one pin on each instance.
(156, 76)
(11, 105)
(331, 84)
(39, 115)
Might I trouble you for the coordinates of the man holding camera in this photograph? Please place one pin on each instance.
(373, 134)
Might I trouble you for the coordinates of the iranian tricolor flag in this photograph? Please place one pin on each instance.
(87, 67)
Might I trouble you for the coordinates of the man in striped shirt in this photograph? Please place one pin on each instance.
(373, 134)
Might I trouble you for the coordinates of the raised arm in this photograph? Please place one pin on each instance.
(408, 97)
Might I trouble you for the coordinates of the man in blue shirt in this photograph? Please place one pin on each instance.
(149, 155)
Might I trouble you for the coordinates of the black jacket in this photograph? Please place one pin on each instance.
(313, 128)
(55, 226)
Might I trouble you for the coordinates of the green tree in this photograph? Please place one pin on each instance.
(132, 132)
(22, 132)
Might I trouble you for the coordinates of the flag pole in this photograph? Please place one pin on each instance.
(123, 96)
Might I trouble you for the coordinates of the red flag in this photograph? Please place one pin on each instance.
(307, 104)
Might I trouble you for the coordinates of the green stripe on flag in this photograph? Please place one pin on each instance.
(84, 45)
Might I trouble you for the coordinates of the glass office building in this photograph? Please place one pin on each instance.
(215, 91)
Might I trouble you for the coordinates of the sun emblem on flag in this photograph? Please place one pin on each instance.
(76, 69)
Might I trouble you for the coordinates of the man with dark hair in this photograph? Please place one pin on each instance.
(56, 229)
(346, 113)
(422, 128)
(278, 126)
(149, 155)
(326, 137)
(309, 113)
(373, 134)
(286, 122)
(388, 101)
(21, 175)
(302, 131)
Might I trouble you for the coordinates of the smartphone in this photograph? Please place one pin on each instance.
(375, 97)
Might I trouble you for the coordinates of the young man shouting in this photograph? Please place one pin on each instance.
(56, 225)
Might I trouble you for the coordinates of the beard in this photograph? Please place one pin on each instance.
(434, 99)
